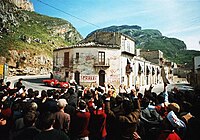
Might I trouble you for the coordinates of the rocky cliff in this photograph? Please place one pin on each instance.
(23, 4)
(27, 39)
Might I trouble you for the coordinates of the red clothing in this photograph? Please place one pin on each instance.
(80, 123)
(168, 135)
(98, 124)
(6, 112)
(162, 110)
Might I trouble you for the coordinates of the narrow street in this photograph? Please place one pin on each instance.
(35, 82)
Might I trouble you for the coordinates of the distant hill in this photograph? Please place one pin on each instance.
(27, 39)
(151, 39)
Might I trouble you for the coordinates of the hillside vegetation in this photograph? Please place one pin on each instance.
(23, 30)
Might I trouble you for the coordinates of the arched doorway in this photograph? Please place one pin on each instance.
(77, 77)
(101, 77)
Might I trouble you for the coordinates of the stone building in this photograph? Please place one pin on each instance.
(152, 55)
(104, 57)
(145, 72)
(194, 76)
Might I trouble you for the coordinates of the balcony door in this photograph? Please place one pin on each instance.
(101, 58)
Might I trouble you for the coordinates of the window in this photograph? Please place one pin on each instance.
(123, 43)
(66, 59)
(77, 57)
(128, 46)
(56, 58)
(101, 58)
(67, 74)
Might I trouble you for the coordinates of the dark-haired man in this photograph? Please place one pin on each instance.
(29, 131)
(46, 121)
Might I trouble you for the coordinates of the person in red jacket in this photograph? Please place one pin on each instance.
(80, 122)
(97, 125)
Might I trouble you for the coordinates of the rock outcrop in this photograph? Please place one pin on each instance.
(28, 39)
(23, 4)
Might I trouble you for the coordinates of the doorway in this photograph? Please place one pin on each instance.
(77, 77)
(101, 77)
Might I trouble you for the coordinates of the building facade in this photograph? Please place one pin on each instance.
(194, 76)
(104, 57)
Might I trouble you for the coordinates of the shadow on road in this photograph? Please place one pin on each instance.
(35, 80)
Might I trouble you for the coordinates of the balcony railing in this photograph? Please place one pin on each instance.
(105, 63)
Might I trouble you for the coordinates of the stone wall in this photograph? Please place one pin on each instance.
(26, 63)
(152, 56)
(109, 38)
(87, 64)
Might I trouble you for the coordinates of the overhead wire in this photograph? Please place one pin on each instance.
(68, 13)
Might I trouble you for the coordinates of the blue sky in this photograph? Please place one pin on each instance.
(174, 18)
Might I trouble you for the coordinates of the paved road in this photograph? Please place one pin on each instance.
(34, 82)
(159, 87)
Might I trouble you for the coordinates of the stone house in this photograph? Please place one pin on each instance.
(194, 76)
(104, 57)
(154, 56)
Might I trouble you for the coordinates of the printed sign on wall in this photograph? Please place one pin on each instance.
(88, 78)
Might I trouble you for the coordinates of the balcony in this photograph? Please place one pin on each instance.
(105, 64)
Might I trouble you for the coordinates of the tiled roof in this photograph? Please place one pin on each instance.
(88, 44)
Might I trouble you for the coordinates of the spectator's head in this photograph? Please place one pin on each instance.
(140, 95)
(118, 100)
(29, 118)
(50, 93)
(33, 106)
(82, 105)
(62, 103)
(31, 94)
(110, 92)
(127, 106)
(30, 107)
(20, 80)
(1, 81)
(46, 120)
(145, 102)
(99, 103)
(88, 95)
(36, 92)
(56, 95)
(174, 107)
(43, 94)
(23, 95)
(70, 91)
(8, 83)
(62, 90)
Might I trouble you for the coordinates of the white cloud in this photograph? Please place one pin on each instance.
(176, 30)
(192, 42)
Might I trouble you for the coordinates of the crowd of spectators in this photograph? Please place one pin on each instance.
(98, 113)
